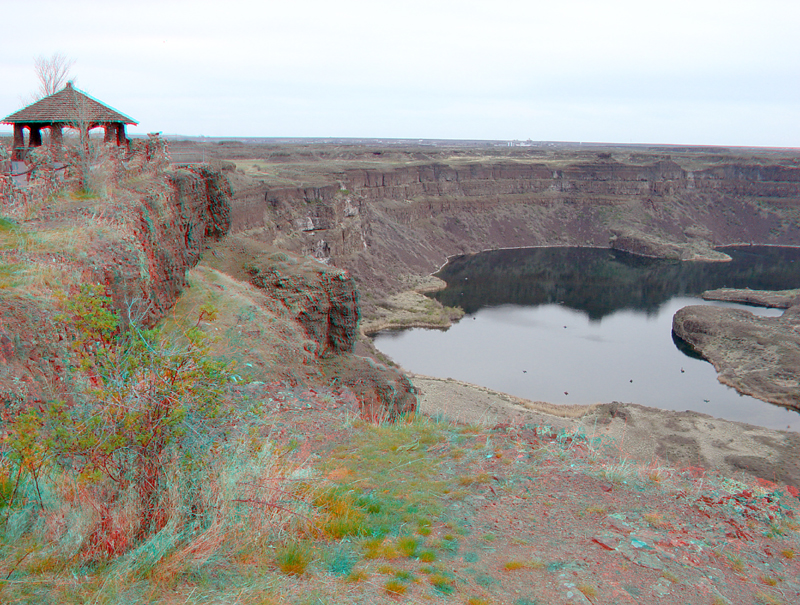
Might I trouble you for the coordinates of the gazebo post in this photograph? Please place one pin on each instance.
(56, 134)
(19, 143)
(56, 138)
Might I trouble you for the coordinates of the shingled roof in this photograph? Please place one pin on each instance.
(68, 105)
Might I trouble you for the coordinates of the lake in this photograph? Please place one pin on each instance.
(578, 325)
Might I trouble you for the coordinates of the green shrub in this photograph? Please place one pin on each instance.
(129, 407)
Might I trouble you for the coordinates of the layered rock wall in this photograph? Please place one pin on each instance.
(381, 223)
(140, 249)
(601, 178)
(324, 302)
(169, 228)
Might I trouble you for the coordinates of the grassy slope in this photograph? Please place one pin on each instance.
(338, 510)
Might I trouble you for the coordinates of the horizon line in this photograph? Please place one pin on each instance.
(430, 140)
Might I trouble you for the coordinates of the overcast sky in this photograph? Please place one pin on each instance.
(702, 72)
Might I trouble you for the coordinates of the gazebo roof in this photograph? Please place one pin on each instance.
(68, 105)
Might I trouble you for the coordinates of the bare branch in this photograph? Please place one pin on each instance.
(52, 72)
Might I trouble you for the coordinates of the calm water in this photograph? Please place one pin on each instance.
(571, 325)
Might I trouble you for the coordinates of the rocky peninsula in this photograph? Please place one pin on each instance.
(758, 356)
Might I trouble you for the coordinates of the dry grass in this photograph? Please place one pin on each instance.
(515, 565)
(596, 510)
(380, 488)
(765, 598)
(477, 479)
(244, 494)
(589, 591)
(293, 558)
(409, 309)
(261, 338)
(395, 588)
(656, 520)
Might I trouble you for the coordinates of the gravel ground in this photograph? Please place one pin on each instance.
(647, 435)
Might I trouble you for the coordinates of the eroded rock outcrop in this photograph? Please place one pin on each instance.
(758, 356)
(384, 393)
(324, 301)
(170, 228)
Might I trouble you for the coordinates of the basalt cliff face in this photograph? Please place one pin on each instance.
(323, 302)
(139, 236)
(170, 230)
(391, 221)
(390, 218)
(139, 246)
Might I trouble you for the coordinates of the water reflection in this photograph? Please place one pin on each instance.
(593, 326)
(599, 282)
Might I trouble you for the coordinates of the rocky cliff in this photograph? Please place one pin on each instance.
(323, 301)
(170, 228)
(396, 219)
(390, 217)
(139, 243)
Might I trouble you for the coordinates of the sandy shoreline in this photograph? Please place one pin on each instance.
(641, 434)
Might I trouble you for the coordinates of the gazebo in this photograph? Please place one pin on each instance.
(70, 108)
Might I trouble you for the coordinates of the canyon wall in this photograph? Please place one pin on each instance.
(170, 228)
(139, 246)
(139, 235)
(384, 223)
